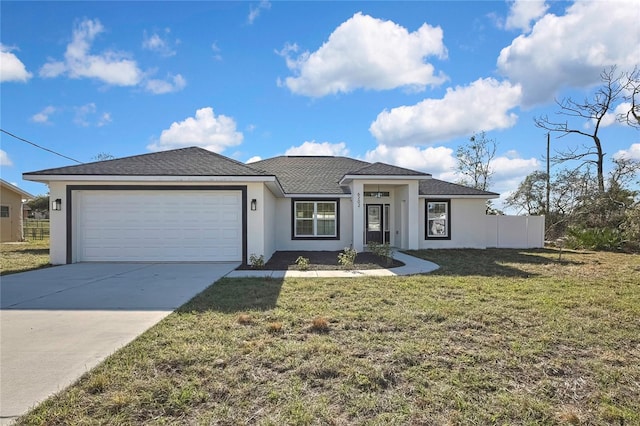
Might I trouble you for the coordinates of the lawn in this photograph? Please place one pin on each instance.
(25, 256)
(493, 337)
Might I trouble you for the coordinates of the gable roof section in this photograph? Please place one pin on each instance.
(383, 169)
(310, 174)
(440, 188)
(191, 161)
(24, 194)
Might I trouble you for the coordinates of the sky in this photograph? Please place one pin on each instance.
(404, 83)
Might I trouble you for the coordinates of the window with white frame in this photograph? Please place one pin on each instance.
(438, 217)
(315, 219)
(4, 211)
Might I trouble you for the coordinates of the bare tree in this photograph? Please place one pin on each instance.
(632, 89)
(474, 161)
(592, 110)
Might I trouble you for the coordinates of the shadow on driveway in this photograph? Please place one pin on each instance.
(237, 295)
(59, 322)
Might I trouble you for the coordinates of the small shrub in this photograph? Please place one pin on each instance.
(594, 239)
(347, 258)
(274, 327)
(320, 325)
(303, 263)
(244, 319)
(381, 250)
(256, 262)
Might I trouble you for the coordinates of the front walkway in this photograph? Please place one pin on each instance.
(412, 265)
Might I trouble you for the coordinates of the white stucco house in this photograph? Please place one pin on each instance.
(195, 205)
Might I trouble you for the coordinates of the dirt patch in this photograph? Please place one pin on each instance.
(323, 261)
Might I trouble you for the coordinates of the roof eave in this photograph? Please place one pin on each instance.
(20, 191)
(450, 196)
(347, 179)
(145, 178)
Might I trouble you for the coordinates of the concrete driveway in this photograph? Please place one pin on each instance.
(57, 323)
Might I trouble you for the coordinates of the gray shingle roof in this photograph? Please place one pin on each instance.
(310, 174)
(441, 188)
(383, 169)
(191, 161)
(296, 174)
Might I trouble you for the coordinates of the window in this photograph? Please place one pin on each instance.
(4, 211)
(438, 220)
(315, 219)
(377, 194)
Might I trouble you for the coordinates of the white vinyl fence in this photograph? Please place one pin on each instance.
(515, 231)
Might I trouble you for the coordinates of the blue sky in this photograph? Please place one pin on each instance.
(399, 82)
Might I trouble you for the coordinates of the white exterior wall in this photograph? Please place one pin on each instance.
(58, 225)
(356, 220)
(257, 221)
(269, 230)
(467, 225)
(283, 229)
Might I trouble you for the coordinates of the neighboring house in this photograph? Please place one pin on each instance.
(195, 205)
(11, 202)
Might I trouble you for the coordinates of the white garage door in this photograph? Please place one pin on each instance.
(186, 226)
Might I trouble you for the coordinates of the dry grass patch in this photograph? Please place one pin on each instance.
(493, 337)
(24, 256)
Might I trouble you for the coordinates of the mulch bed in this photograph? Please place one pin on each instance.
(323, 261)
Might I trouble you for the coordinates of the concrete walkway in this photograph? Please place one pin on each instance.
(412, 266)
(57, 323)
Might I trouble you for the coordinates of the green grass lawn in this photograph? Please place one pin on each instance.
(25, 256)
(493, 337)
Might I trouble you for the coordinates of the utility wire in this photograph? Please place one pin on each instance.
(38, 146)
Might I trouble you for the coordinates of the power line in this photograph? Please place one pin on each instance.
(38, 146)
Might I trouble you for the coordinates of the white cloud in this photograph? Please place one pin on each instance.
(365, 52)
(254, 159)
(113, 68)
(4, 159)
(88, 115)
(522, 12)
(483, 105)
(509, 171)
(216, 52)
(156, 43)
(206, 130)
(512, 166)
(573, 49)
(318, 148)
(633, 153)
(12, 68)
(105, 119)
(43, 116)
(439, 161)
(611, 118)
(174, 83)
(254, 11)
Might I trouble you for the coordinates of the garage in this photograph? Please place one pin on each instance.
(158, 225)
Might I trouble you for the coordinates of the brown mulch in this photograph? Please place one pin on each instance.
(323, 261)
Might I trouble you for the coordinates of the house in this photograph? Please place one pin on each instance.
(11, 208)
(191, 204)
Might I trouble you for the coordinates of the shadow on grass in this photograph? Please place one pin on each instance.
(34, 251)
(491, 262)
(236, 295)
(17, 271)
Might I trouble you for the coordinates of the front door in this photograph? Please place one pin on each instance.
(374, 223)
